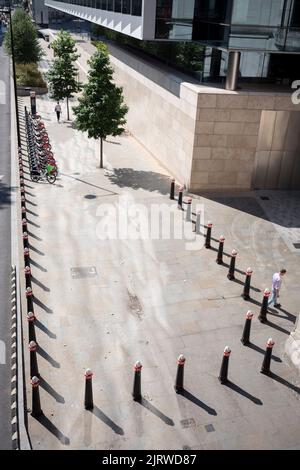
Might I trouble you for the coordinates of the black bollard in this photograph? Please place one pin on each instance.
(137, 395)
(180, 194)
(26, 257)
(34, 370)
(31, 330)
(208, 235)
(29, 297)
(188, 216)
(219, 259)
(36, 403)
(264, 306)
(88, 395)
(246, 291)
(172, 189)
(27, 272)
(231, 270)
(24, 225)
(180, 373)
(246, 332)
(265, 368)
(25, 240)
(224, 367)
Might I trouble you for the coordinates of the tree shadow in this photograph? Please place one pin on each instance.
(42, 305)
(36, 250)
(139, 179)
(47, 357)
(37, 265)
(146, 404)
(262, 351)
(196, 401)
(106, 420)
(285, 382)
(47, 387)
(243, 392)
(53, 429)
(43, 328)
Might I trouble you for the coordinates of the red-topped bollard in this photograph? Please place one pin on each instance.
(34, 370)
(172, 188)
(247, 327)
(188, 216)
(264, 306)
(265, 368)
(25, 239)
(136, 393)
(231, 270)
(26, 256)
(36, 403)
(246, 291)
(27, 272)
(29, 296)
(223, 377)
(24, 224)
(31, 330)
(180, 195)
(88, 396)
(208, 235)
(180, 374)
(219, 259)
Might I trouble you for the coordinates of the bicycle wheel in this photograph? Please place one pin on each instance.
(51, 178)
(35, 178)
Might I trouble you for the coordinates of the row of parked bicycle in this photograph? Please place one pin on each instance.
(42, 163)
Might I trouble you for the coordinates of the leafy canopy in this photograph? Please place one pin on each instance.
(101, 110)
(26, 45)
(64, 46)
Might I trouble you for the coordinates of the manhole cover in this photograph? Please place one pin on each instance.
(297, 245)
(209, 428)
(188, 423)
(84, 272)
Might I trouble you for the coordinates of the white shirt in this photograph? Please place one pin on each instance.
(276, 284)
(58, 108)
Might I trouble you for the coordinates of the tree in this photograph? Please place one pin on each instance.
(63, 74)
(26, 45)
(101, 110)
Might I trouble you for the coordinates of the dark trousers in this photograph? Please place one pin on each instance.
(58, 115)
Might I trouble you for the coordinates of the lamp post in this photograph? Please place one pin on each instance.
(14, 75)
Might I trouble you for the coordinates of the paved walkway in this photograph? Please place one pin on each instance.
(105, 304)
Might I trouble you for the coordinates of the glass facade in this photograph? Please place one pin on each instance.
(174, 19)
(127, 7)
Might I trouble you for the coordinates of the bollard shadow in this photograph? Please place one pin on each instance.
(43, 328)
(30, 194)
(224, 253)
(237, 281)
(31, 212)
(36, 250)
(146, 404)
(27, 179)
(253, 301)
(106, 420)
(31, 234)
(237, 270)
(47, 387)
(47, 357)
(196, 401)
(31, 203)
(262, 351)
(40, 284)
(277, 327)
(42, 305)
(44, 421)
(243, 392)
(29, 221)
(37, 265)
(289, 316)
(285, 382)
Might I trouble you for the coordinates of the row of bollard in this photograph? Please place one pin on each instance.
(231, 271)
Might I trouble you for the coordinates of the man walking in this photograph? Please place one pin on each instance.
(276, 285)
(58, 111)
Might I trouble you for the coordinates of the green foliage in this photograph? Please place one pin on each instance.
(29, 75)
(26, 46)
(101, 110)
(63, 74)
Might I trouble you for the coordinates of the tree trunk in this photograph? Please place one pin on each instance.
(101, 152)
(68, 116)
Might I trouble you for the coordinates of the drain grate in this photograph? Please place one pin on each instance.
(264, 198)
(209, 428)
(297, 246)
(84, 272)
(188, 423)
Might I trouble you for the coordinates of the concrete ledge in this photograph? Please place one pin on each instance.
(292, 350)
